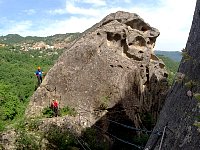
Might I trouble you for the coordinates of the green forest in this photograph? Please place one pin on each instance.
(171, 66)
(18, 81)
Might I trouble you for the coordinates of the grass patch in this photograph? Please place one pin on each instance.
(197, 96)
(49, 113)
(68, 111)
(59, 138)
(190, 84)
(27, 141)
(186, 56)
(104, 102)
(197, 124)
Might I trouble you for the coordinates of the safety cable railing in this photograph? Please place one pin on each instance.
(127, 126)
(119, 139)
(78, 141)
(84, 143)
(159, 133)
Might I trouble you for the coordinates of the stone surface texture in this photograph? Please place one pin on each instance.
(112, 62)
(180, 113)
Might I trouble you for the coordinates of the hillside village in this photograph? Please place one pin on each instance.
(55, 42)
(36, 46)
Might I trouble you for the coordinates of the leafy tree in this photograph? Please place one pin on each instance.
(171, 66)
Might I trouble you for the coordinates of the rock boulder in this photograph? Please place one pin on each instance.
(112, 62)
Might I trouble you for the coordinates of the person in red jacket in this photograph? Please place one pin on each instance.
(54, 107)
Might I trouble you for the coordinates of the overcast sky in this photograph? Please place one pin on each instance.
(172, 18)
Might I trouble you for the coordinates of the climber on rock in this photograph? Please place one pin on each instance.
(39, 73)
(54, 107)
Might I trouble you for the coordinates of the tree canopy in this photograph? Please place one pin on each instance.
(17, 79)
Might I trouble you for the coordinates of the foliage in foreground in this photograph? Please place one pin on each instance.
(60, 138)
(27, 141)
(55, 137)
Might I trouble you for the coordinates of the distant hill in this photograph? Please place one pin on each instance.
(12, 39)
(174, 55)
(171, 66)
(16, 39)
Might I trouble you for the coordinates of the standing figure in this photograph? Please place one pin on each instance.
(54, 107)
(38, 73)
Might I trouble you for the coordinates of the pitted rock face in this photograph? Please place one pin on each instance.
(111, 63)
(131, 32)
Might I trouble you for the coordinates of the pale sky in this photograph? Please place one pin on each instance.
(172, 18)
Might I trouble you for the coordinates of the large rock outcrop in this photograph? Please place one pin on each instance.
(180, 114)
(111, 63)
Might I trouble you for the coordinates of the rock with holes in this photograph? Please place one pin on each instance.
(111, 66)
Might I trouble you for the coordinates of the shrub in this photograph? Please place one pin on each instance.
(1, 146)
(104, 103)
(27, 141)
(33, 124)
(197, 124)
(190, 84)
(185, 56)
(197, 96)
(48, 112)
(95, 140)
(67, 111)
(59, 138)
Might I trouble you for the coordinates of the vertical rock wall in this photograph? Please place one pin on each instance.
(180, 114)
